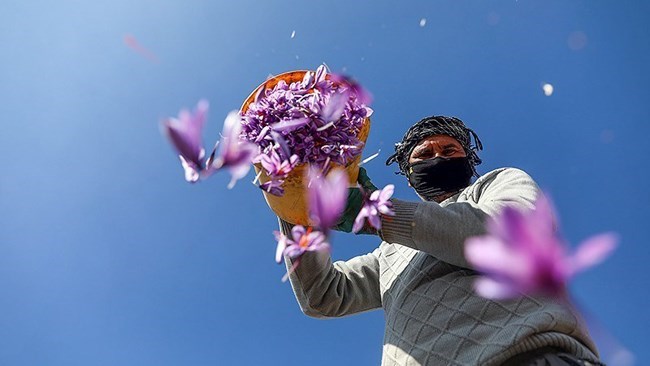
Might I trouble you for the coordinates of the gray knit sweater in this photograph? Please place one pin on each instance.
(419, 276)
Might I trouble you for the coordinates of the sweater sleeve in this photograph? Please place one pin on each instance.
(325, 289)
(441, 230)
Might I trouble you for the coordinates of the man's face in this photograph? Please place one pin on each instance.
(436, 146)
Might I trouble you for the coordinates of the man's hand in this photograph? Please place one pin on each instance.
(354, 204)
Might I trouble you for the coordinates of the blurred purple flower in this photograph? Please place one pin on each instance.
(235, 153)
(522, 253)
(361, 94)
(327, 196)
(302, 240)
(377, 203)
(184, 133)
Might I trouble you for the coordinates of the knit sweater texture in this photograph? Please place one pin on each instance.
(420, 277)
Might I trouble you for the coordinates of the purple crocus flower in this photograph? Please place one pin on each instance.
(377, 203)
(301, 241)
(327, 196)
(278, 169)
(184, 133)
(522, 253)
(235, 153)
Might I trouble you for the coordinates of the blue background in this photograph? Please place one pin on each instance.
(108, 257)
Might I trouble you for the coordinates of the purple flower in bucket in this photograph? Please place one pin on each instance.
(327, 196)
(184, 133)
(235, 154)
(301, 241)
(522, 254)
(278, 169)
(377, 203)
(319, 118)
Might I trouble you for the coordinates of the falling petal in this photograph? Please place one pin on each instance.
(593, 251)
(293, 34)
(488, 254)
(577, 40)
(423, 22)
(522, 253)
(280, 248)
(133, 44)
(191, 171)
(327, 196)
(548, 89)
(185, 135)
(492, 289)
(234, 153)
(371, 157)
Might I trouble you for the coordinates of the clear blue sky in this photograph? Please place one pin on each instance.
(107, 256)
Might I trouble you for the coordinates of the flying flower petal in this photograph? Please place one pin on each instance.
(191, 170)
(184, 133)
(301, 241)
(361, 94)
(593, 251)
(492, 289)
(234, 153)
(522, 254)
(327, 196)
(378, 202)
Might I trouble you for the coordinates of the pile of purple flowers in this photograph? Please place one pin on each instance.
(316, 121)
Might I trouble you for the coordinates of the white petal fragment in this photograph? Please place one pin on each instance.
(548, 89)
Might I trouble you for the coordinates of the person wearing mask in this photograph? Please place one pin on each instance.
(419, 276)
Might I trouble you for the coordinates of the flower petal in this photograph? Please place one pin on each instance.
(492, 289)
(360, 220)
(286, 126)
(593, 251)
(491, 255)
(327, 196)
(386, 193)
(282, 244)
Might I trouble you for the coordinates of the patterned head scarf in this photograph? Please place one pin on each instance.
(436, 125)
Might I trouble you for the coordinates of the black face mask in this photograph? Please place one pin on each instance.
(434, 177)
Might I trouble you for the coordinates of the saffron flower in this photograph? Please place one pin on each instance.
(301, 241)
(278, 169)
(377, 203)
(318, 117)
(522, 254)
(327, 196)
(184, 133)
(235, 154)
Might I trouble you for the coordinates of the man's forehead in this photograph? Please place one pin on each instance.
(439, 139)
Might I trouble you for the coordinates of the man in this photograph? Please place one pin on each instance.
(419, 275)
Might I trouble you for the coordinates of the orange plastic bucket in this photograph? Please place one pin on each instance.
(292, 206)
